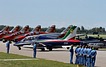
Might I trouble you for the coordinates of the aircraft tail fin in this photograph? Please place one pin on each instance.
(65, 30)
(16, 29)
(71, 33)
(51, 29)
(37, 29)
(5, 29)
(25, 29)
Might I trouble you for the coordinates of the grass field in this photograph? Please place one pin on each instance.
(103, 36)
(29, 63)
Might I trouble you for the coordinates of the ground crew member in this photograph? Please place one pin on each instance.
(71, 54)
(34, 50)
(76, 53)
(8, 46)
(88, 57)
(93, 57)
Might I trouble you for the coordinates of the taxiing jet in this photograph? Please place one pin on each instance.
(16, 34)
(53, 43)
(6, 33)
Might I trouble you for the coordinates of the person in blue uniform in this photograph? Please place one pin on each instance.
(71, 54)
(93, 57)
(76, 54)
(79, 54)
(88, 57)
(84, 55)
(8, 46)
(34, 50)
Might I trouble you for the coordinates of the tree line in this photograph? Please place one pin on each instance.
(95, 30)
(81, 30)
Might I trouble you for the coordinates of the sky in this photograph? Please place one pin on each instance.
(62, 13)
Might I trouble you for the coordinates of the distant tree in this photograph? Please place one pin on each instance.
(44, 29)
(1, 27)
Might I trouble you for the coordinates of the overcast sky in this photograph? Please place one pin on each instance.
(62, 13)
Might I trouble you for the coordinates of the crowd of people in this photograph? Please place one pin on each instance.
(85, 55)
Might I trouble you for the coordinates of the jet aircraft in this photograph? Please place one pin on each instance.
(93, 42)
(5, 33)
(16, 34)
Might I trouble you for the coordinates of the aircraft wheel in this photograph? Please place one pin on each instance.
(50, 49)
(19, 47)
(43, 49)
(4, 41)
(68, 47)
(96, 48)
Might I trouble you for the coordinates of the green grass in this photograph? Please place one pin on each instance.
(29, 63)
(103, 36)
(11, 56)
(102, 49)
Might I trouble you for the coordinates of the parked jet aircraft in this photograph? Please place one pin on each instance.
(14, 30)
(16, 34)
(36, 31)
(93, 42)
(53, 43)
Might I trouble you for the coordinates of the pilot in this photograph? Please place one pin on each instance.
(79, 54)
(84, 55)
(76, 54)
(88, 57)
(93, 57)
(71, 54)
(8, 46)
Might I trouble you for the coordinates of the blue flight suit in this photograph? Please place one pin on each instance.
(88, 58)
(77, 57)
(71, 55)
(84, 56)
(79, 49)
(34, 50)
(81, 56)
(8, 46)
(93, 57)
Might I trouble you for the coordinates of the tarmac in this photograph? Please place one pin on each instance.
(60, 54)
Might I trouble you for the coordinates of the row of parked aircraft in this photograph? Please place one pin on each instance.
(17, 34)
(48, 39)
